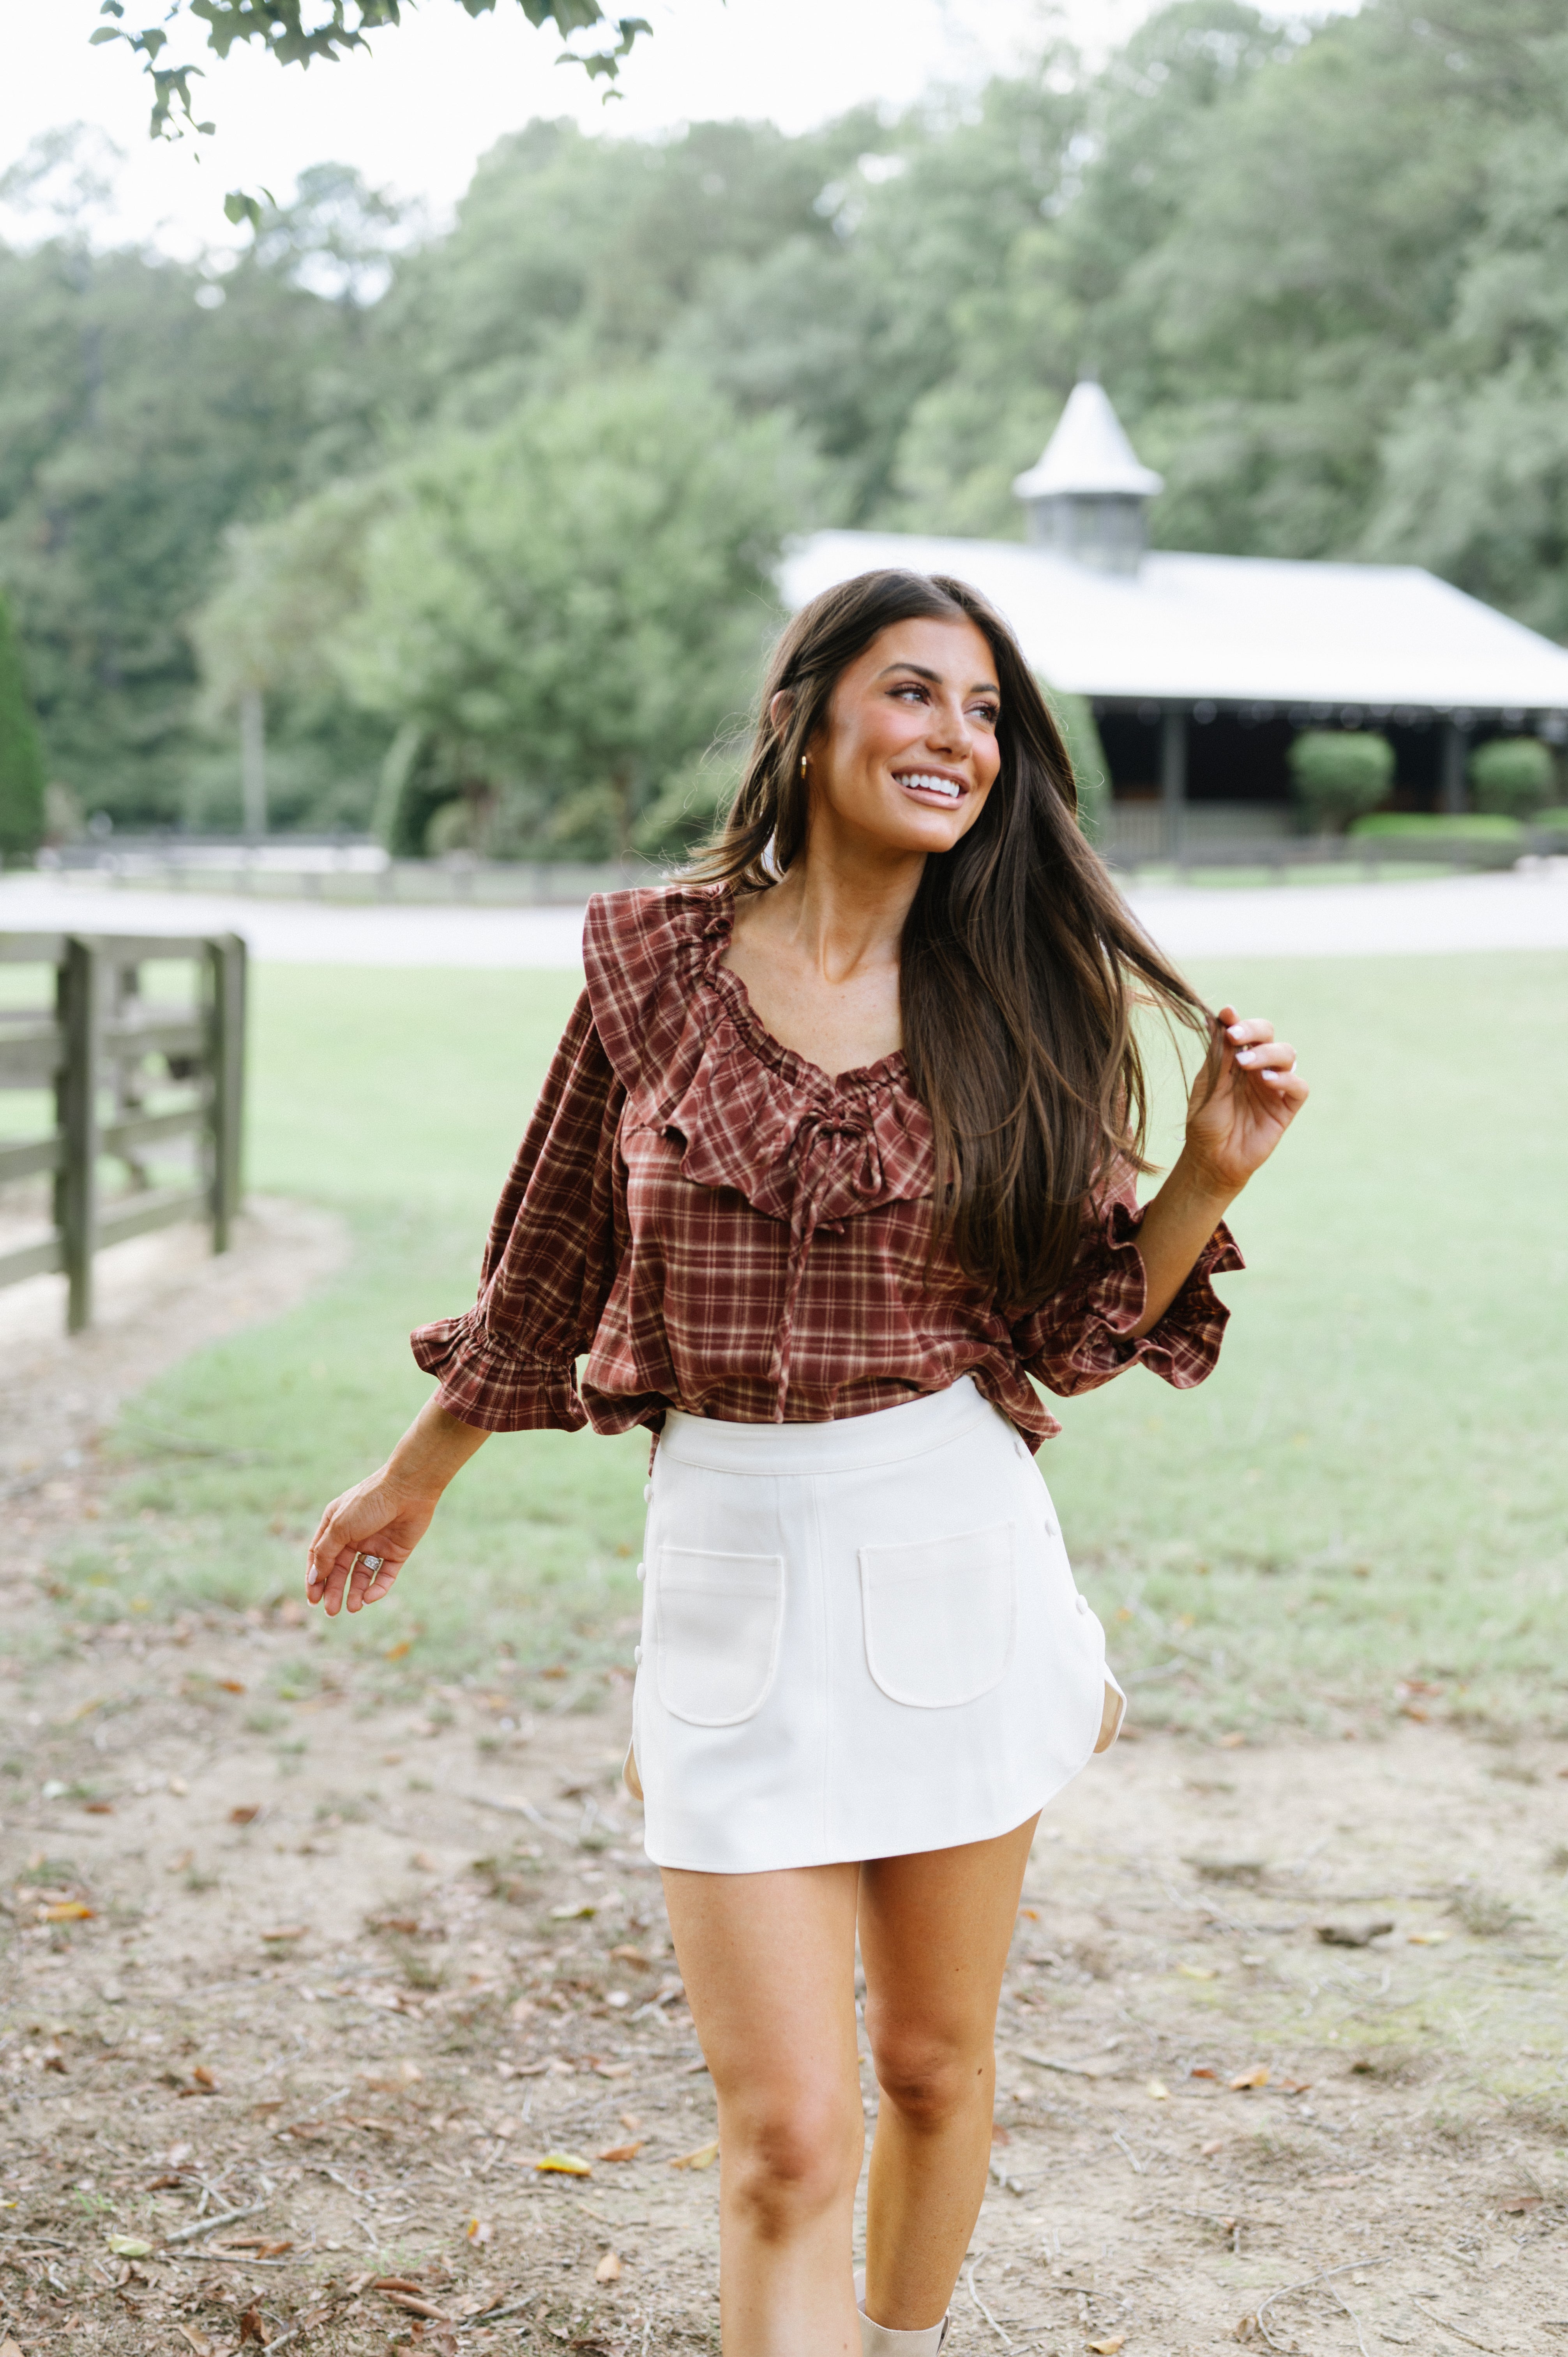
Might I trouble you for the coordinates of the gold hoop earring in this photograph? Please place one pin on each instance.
(802, 764)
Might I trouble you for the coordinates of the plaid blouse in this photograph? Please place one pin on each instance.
(718, 1226)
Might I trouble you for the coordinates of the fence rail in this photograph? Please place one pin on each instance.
(104, 1052)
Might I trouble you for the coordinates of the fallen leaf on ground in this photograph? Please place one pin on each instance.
(1157, 2089)
(204, 2078)
(232, 1686)
(1353, 1935)
(1427, 1938)
(703, 2158)
(1106, 2348)
(1197, 1972)
(398, 2283)
(414, 2303)
(634, 1957)
(1519, 2202)
(247, 1815)
(395, 1653)
(179, 1788)
(1232, 1742)
(98, 1808)
(608, 2270)
(564, 2164)
(571, 1914)
(478, 2230)
(66, 1911)
(631, 2122)
(1294, 2086)
(621, 2151)
(251, 2329)
(624, 2070)
(1209, 2150)
(198, 2340)
(999, 2135)
(288, 1932)
(130, 2246)
(1258, 2078)
(1203, 2071)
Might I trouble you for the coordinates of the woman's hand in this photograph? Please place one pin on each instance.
(1233, 1126)
(374, 1519)
(386, 1516)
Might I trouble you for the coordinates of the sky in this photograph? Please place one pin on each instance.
(416, 109)
(428, 99)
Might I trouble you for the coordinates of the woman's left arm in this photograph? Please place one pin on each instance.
(1233, 1128)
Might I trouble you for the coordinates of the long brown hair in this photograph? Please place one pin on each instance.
(1020, 965)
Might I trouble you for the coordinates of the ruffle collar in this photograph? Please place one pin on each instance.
(804, 1147)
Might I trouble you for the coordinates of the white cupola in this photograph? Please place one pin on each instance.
(1088, 500)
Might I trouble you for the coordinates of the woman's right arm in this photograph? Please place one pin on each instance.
(388, 1512)
(509, 1363)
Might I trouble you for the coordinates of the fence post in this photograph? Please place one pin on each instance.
(80, 1013)
(226, 962)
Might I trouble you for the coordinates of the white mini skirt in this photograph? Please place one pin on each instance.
(859, 1640)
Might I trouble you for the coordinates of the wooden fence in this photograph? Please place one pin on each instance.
(126, 1074)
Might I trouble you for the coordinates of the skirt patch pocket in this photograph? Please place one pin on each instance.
(716, 1625)
(941, 1617)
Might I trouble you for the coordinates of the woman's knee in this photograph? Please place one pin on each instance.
(791, 2154)
(929, 2077)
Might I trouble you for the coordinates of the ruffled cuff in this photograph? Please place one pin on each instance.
(493, 1386)
(1084, 1336)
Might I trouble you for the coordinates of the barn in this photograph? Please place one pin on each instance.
(1201, 670)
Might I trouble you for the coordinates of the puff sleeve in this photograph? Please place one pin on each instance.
(509, 1365)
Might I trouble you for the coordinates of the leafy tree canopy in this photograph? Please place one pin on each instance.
(1319, 268)
(280, 27)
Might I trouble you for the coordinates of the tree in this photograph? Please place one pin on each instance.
(145, 407)
(278, 26)
(567, 609)
(21, 759)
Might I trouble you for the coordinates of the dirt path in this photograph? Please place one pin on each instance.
(354, 1972)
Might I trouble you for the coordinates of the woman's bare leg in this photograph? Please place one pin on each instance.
(934, 1934)
(769, 1964)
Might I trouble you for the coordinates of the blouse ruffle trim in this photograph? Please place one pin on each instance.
(800, 1146)
(492, 1385)
(1103, 1298)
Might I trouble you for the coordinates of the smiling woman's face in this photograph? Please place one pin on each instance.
(909, 751)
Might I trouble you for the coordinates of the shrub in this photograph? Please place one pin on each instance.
(1074, 716)
(1439, 826)
(1551, 822)
(1512, 775)
(21, 759)
(1338, 774)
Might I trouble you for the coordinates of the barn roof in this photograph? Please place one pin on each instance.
(1230, 629)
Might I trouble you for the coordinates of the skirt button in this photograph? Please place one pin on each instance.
(636, 1656)
(647, 1491)
(642, 1571)
(1083, 1603)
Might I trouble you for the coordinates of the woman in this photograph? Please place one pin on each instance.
(838, 1151)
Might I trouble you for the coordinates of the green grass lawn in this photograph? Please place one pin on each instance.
(1373, 1488)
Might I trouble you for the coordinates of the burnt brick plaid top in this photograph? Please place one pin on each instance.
(722, 1228)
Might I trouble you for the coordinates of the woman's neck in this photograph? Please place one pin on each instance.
(842, 916)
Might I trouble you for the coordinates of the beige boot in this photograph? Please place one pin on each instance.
(881, 2340)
